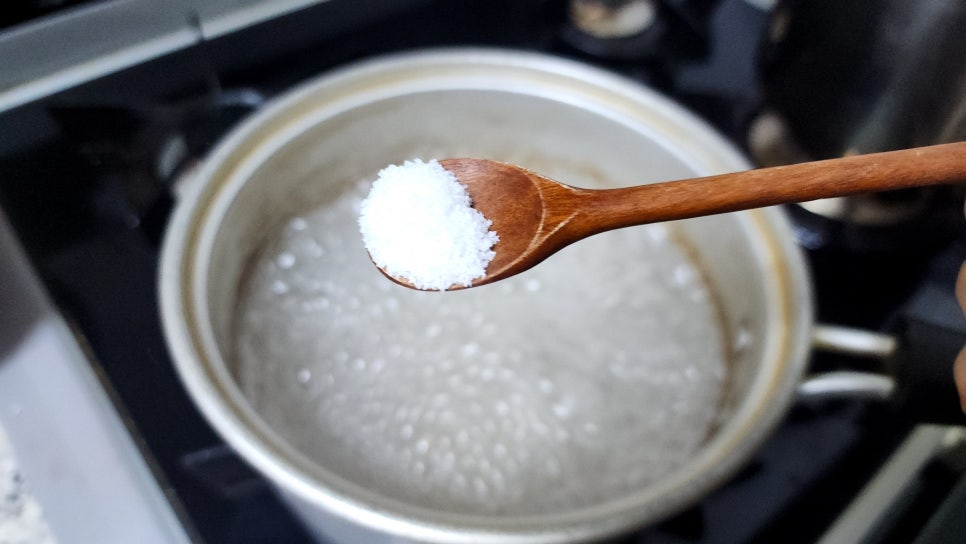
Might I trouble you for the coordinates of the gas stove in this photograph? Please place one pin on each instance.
(88, 189)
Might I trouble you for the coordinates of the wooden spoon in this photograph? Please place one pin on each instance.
(536, 216)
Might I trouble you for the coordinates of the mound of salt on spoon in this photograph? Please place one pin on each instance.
(418, 224)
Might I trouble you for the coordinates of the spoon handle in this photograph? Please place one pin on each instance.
(932, 165)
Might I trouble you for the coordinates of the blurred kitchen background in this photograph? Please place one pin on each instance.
(104, 103)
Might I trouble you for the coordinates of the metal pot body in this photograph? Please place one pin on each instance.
(551, 115)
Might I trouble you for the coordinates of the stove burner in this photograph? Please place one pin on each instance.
(141, 150)
(911, 223)
(638, 29)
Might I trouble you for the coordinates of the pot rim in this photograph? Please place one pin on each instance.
(193, 228)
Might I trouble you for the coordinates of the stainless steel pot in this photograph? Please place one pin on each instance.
(529, 109)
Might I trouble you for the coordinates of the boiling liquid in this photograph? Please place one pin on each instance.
(581, 380)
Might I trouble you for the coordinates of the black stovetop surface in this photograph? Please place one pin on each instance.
(90, 207)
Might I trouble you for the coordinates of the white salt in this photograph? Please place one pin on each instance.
(22, 519)
(418, 224)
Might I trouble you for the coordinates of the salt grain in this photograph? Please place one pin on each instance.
(418, 224)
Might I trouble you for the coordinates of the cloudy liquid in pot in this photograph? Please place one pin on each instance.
(582, 380)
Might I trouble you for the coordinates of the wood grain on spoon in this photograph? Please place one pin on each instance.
(537, 216)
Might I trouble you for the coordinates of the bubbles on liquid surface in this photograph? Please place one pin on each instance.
(566, 386)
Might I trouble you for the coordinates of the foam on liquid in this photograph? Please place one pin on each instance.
(581, 380)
